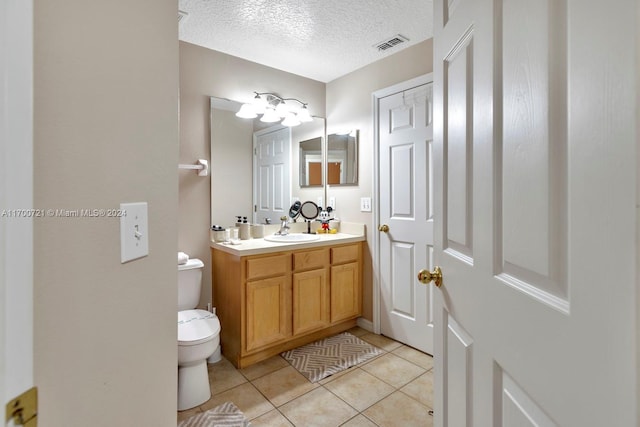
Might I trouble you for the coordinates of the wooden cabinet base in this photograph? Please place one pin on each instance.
(243, 361)
(275, 302)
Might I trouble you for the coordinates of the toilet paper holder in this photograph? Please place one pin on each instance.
(201, 167)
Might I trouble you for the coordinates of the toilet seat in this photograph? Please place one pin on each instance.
(196, 327)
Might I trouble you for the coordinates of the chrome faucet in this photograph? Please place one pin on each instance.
(284, 228)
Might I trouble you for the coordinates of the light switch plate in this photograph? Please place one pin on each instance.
(365, 204)
(320, 204)
(134, 231)
(332, 202)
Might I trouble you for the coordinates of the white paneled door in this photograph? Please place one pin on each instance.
(405, 133)
(535, 213)
(271, 173)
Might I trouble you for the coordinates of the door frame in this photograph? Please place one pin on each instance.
(376, 96)
(16, 182)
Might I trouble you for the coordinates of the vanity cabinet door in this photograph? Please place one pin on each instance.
(268, 311)
(346, 299)
(310, 301)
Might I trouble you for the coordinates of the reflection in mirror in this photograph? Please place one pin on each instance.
(342, 158)
(294, 210)
(232, 161)
(311, 163)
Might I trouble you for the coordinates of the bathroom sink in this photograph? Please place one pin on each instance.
(292, 238)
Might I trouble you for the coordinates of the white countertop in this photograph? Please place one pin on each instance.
(349, 232)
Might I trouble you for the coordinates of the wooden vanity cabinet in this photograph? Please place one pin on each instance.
(346, 292)
(268, 300)
(275, 302)
(311, 297)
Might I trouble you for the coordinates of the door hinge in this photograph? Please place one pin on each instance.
(23, 410)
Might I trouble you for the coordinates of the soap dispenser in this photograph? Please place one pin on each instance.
(245, 229)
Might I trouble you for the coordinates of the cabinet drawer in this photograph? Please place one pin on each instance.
(268, 266)
(311, 259)
(344, 254)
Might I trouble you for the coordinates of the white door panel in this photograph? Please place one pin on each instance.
(458, 350)
(405, 136)
(534, 170)
(458, 166)
(272, 182)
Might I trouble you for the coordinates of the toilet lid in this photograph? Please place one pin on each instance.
(190, 264)
(196, 326)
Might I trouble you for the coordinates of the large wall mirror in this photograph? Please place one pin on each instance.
(232, 163)
(342, 158)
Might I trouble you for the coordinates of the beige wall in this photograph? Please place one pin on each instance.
(350, 106)
(105, 132)
(205, 73)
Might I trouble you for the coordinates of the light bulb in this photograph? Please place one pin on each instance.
(247, 112)
(291, 120)
(270, 116)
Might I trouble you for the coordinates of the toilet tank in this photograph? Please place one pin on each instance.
(189, 284)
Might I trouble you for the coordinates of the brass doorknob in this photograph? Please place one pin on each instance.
(384, 228)
(425, 276)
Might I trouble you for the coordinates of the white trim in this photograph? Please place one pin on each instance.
(376, 96)
(16, 192)
(365, 324)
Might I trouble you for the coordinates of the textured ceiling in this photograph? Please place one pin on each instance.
(318, 39)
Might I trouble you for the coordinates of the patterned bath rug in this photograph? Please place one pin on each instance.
(225, 415)
(329, 356)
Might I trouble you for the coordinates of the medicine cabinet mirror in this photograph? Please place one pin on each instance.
(342, 158)
(311, 170)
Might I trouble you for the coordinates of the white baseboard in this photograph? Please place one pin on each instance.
(365, 324)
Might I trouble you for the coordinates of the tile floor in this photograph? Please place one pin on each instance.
(393, 389)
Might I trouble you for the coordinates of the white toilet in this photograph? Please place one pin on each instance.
(198, 338)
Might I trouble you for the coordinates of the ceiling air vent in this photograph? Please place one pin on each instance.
(391, 42)
(182, 16)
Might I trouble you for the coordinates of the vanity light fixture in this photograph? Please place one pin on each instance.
(274, 108)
